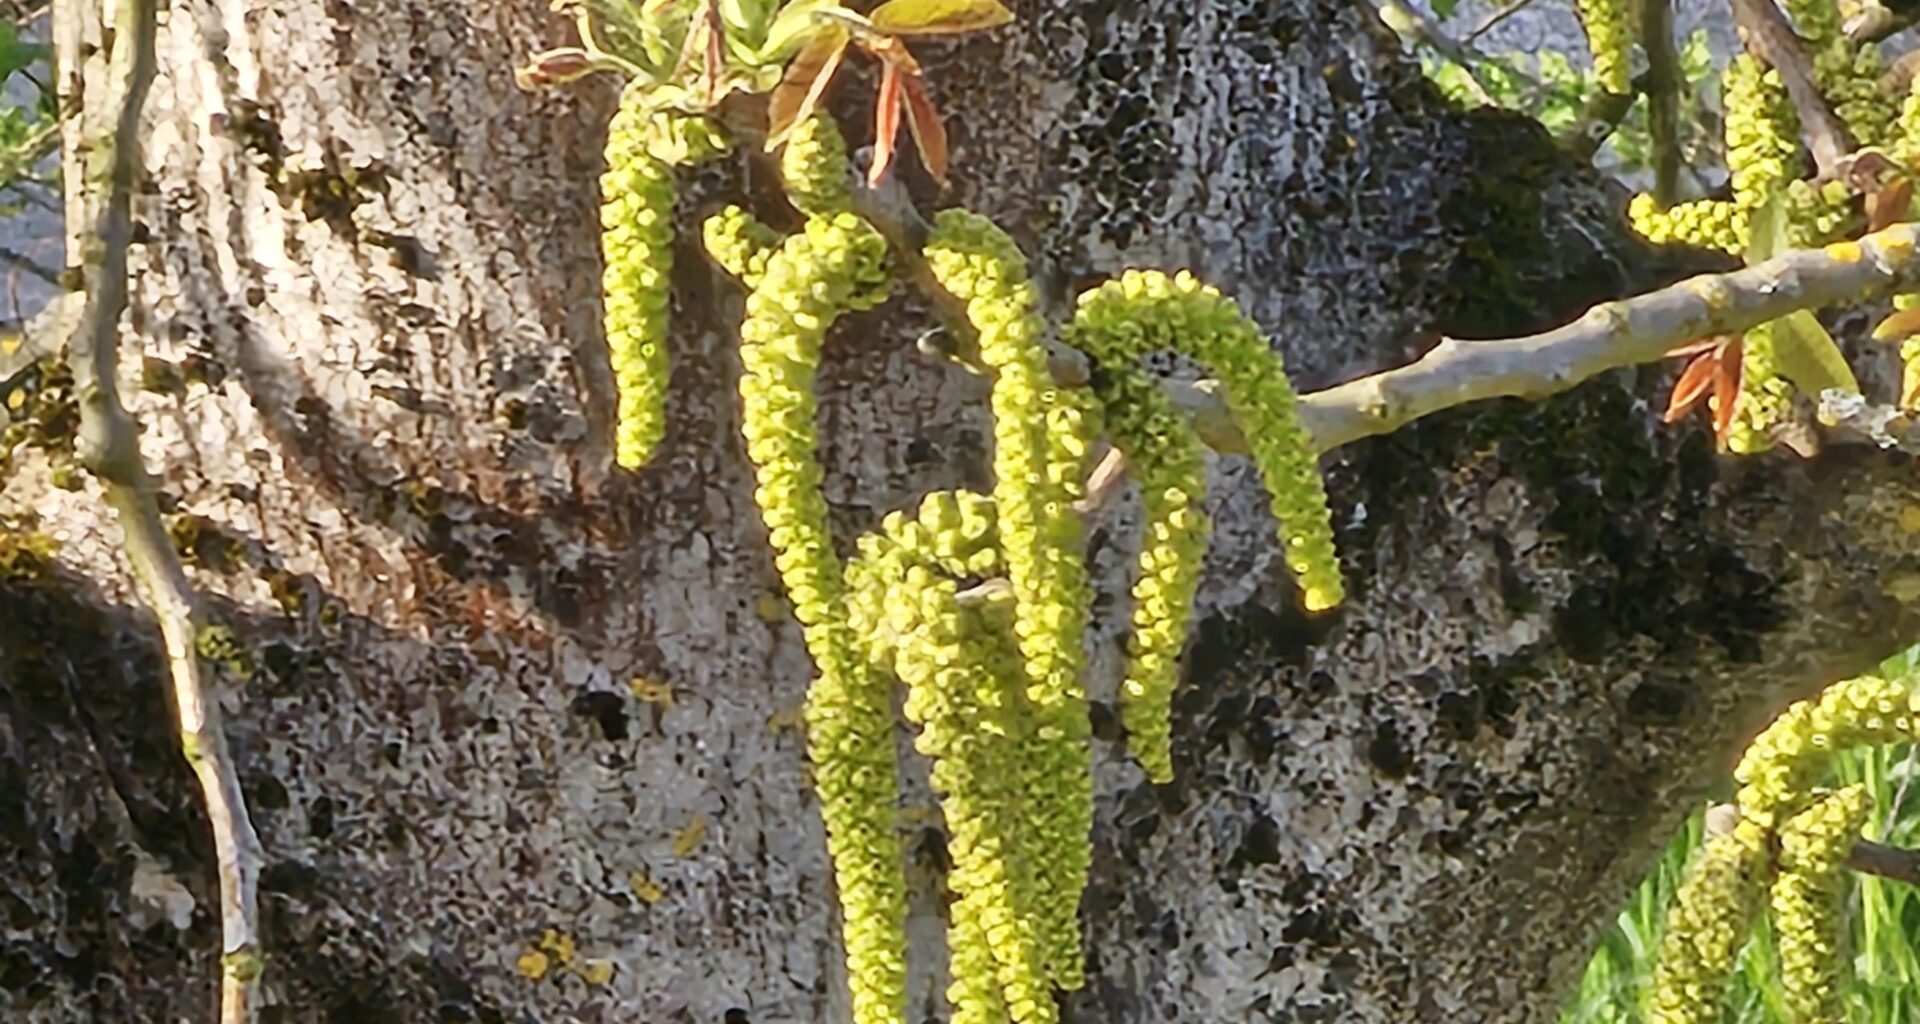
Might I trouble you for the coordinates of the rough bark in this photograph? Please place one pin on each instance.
(375, 394)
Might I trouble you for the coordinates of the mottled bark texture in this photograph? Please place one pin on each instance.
(373, 385)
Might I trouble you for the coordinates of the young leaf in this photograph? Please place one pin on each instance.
(794, 27)
(1808, 356)
(1728, 373)
(929, 132)
(806, 80)
(1692, 386)
(747, 19)
(886, 123)
(938, 17)
(1903, 324)
(17, 56)
(1888, 205)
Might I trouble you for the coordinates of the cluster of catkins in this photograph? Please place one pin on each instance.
(1789, 843)
(992, 672)
(1764, 164)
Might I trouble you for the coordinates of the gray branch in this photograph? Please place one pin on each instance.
(109, 446)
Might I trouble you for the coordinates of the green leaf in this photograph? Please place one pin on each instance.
(1767, 230)
(1808, 357)
(17, 56)
(796, 25)
(806, 80)
(1443, 9)
(747, 19)
(938, 17)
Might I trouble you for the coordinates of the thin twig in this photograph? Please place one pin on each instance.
(1495, 19)
(1661, 85)
(1882, 861)
(1418, 30)
(22, 261)
(996, 589)
(1611, 335)
(1104, 482)
(108, 445)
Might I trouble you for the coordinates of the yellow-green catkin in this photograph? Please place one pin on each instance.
(1906, 142)
(636, 241)
(1609, 26)
(1039, 455)
(1116, 324)
(1818, 213)
(1762, 134)
(814, 168)
(1765, 396)
(1763, 146)
(809, 282)
(1165, 459)
(966, 691)
(1848, 74)
(681, 139)
(1787, 760)
(1710, 223)
(1146, 310)
(1706, 926)
(740, 244)
(1805, 902)
(1905, 149)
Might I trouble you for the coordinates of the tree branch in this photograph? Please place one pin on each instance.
(1611, 335)
(1661, 85)
(109, 446)
(1495, 19)
(1882, 861)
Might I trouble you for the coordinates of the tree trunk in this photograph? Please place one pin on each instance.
(375, 391)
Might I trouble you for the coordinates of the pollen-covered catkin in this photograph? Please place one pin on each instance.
(636, 240)
(966, 684)
(1762, 133)
(1609, 27)
(1765, 396)
(1848, 74)
(1763, 145)
(1788, 759)
(740, 244)
(1038, 454)
(1806, 897)
(681, 140)
(1706, 926)
(1709, 223)
(814, 168)
(1146, 310)
(1165, 459)
(809, 282)
(1905, 145)
(1119, 322)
